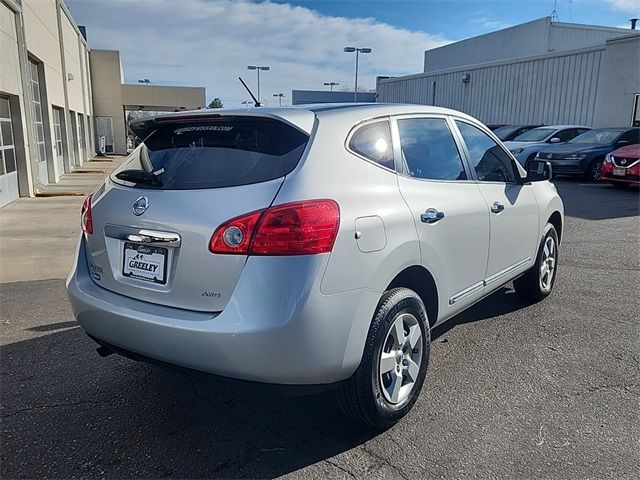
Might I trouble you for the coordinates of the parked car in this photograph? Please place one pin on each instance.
(494, 126)
(584, 154)
(309, 247)
(509, 132)
(621, 167)
(526, 145)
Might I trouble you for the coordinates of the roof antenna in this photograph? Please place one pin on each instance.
(255, 100)
(554, 13)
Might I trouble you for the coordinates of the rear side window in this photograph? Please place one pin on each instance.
(492, 164)
(373, 141)
(428, 149)
(225, 152)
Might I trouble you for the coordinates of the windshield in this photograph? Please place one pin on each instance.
(535, 135)
(599, 137)
(504, 132)
(225, 152)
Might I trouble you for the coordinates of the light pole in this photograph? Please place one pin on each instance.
(258, 68)
(279, 95)
(331, 84)
(358, 51)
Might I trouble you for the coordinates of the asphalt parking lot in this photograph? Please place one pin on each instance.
(514, 390)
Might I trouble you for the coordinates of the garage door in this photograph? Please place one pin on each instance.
(8, 175)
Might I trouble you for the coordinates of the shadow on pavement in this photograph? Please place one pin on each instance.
(603, 201)
(74, 414)
(501, 302)
(67, 413)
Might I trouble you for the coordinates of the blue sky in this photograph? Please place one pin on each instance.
(458, 19)
(210, 42)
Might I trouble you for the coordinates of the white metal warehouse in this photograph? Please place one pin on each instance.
(537, 72)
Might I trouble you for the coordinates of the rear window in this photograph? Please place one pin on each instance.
(216, 153)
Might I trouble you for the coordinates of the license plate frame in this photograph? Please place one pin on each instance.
(151, 262)
(619, 171)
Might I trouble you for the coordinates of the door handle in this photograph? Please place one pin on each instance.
(497, 207)
(431, 215)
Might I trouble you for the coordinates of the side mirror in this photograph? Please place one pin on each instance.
(555, 140)
(539, 171)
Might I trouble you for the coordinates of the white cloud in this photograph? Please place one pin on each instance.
(629, 5)
(210, 43)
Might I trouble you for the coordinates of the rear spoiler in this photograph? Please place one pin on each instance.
(143, 127)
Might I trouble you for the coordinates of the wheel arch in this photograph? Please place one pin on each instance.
(421, 281)
(556, 220)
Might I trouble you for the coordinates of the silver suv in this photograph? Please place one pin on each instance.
(311, 246)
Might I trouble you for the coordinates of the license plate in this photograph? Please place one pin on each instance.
(619, 172)
(145, 262)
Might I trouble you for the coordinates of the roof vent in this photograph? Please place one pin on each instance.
(633, 23)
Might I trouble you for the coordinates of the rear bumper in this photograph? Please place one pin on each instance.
(277, 327)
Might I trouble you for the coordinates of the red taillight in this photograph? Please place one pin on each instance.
(86, 217)
(298, 228)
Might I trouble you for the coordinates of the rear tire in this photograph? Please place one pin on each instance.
(394, 364)
(537, 283)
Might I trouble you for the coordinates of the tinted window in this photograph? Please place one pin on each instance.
(632, 136)
(566, 135)
(428, 149)
(223, 152)
(505, 132)
(373, 141)
(490, 162)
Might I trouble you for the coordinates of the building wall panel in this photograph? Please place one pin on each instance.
(554, 89)
(9, 59)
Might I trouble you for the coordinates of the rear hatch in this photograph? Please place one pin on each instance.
(153, 222)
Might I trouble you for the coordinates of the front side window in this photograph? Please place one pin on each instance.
(491, 163)
(632, 136)
(428, 149)
(373, 141)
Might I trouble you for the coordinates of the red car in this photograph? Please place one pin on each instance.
(621, 167)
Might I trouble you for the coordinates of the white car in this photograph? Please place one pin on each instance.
(312, 246)
(526, 145)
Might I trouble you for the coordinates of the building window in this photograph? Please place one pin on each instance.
(36, 113)
(7, 149)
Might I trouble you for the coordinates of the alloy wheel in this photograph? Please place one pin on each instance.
(400, 358)
(548, 264)
(595, 170)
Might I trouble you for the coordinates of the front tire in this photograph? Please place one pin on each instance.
(593, 173)
(537, 283)
(394, 364)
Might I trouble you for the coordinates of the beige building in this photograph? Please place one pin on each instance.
(112, 99)
(55, 111)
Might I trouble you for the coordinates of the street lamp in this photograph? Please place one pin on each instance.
(358, 51)
(331, 84)
(257, 68)
(279, 95)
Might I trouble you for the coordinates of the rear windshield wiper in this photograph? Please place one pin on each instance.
(140, 176)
